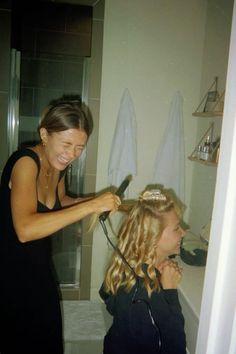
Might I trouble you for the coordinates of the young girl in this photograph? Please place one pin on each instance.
(140, 290)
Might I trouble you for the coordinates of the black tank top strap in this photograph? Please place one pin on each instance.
(62, 173)
(14, 158)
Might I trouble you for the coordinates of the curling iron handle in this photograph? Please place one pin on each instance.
(119, 192)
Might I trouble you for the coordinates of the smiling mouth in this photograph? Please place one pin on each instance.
(63, 161)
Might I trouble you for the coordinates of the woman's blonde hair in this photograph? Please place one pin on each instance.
(137, 241)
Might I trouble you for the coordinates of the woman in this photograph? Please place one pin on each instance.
(34, 205)
(140, 290)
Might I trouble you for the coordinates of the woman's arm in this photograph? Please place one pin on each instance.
(31, 225)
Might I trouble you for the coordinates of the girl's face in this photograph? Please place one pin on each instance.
(170, 240)
(63, 147)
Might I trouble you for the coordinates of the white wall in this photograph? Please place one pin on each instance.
(154, 48)
(5, 26)
(134, 36)
(215, 60)
(217, 331)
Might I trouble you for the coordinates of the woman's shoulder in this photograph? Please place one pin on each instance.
(17, 155)
(12, 160)
(25, 151)
(22, 153)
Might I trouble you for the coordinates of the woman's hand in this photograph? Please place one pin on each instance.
(171, 274)
(106, 202)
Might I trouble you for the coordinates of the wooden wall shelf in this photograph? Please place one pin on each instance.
(208, 114)
(203, 162)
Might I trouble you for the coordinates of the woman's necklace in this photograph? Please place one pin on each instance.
(47, 173)
(47, 176)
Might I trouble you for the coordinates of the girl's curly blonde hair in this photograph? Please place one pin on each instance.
(137, 241)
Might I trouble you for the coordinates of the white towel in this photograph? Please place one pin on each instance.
(122, 161)
(169, 167)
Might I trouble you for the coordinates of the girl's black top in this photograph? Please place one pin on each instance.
(132, 330)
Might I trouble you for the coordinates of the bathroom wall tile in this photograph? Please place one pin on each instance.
(71, 93)
(70, 294)
(51, 16)
(29, 124)
(26, 101)
(85, 275)
(29, 73)
(42, 73)
(84, 346)
(50, 74)
(63, 43)
(89, 183)
(73, 76)
(65, 265)
(87, 237)
(69, 238)
(42, 97)
(3, 128)
(77, 43)
(96, 62)
(45, 15)
(53, 20)
(28, 39)
(50, 42)
(94, 107)
(57, 242)
(4, 50)
(98, 10)
(5, 4)
(91, 160)
(4, 82)
(53, 57)
(79, 19)
(26, 136)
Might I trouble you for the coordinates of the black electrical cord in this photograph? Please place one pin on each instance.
(134, 301)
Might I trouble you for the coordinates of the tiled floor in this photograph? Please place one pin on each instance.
(85, 324)
(84, 347)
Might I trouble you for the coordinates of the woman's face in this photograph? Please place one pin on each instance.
(170, 240)
(63, 147)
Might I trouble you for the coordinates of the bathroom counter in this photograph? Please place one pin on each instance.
(191, 285)
(190, 296)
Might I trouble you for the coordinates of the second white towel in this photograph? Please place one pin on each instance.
(122, 161)
(169, 167)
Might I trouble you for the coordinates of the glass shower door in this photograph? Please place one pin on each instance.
(55, 43)
(37, 89)
(66, 245)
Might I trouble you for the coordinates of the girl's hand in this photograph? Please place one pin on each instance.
(171, 274)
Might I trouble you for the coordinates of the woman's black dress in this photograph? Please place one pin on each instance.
(30, 315)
